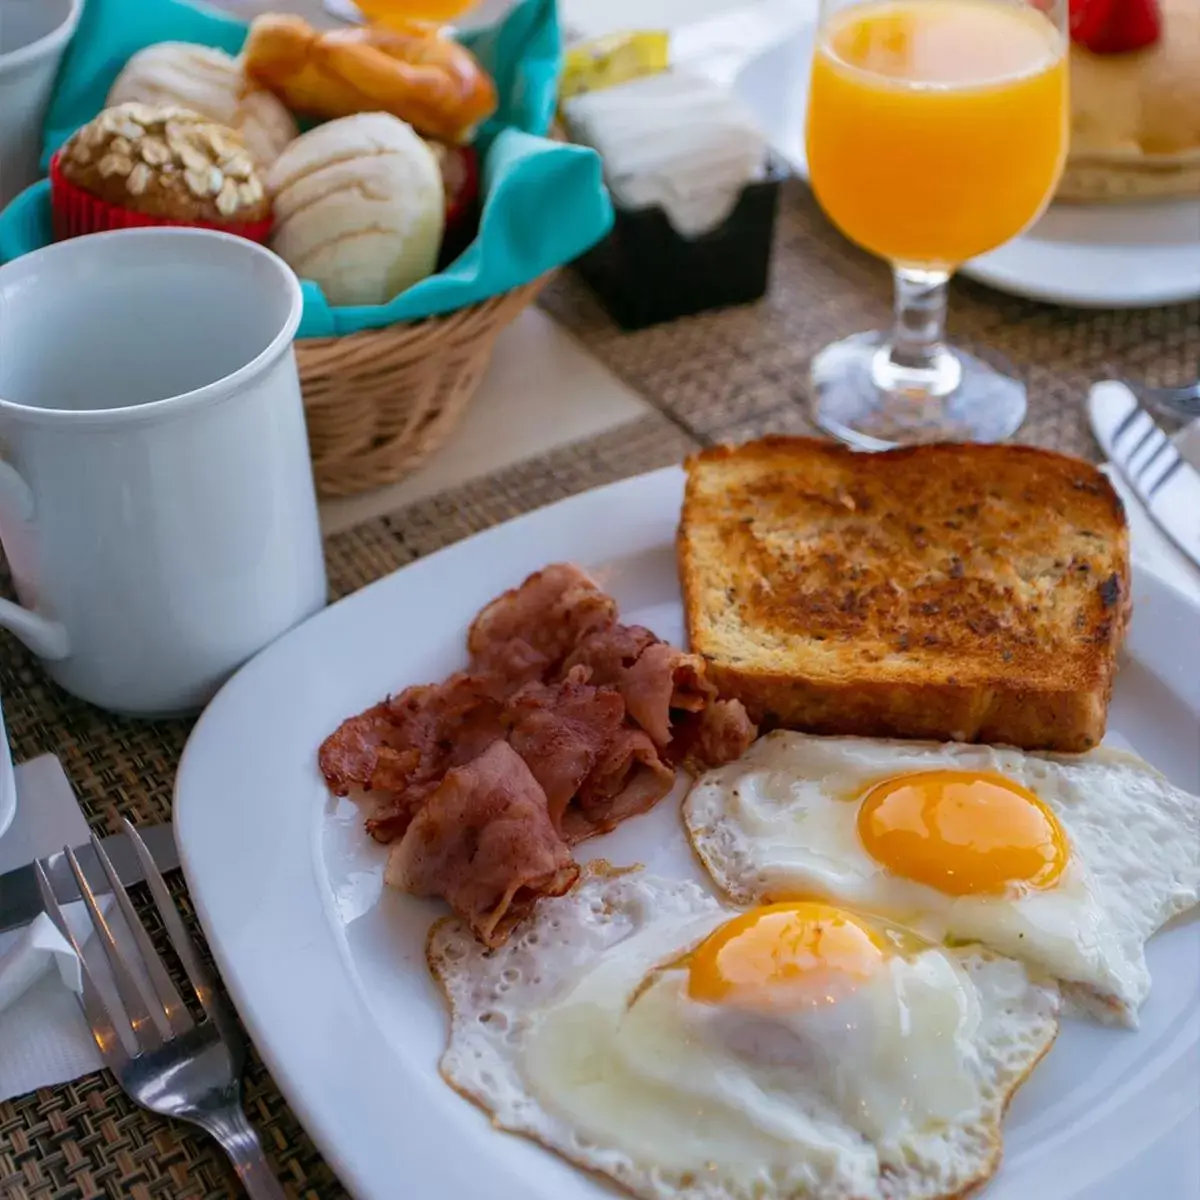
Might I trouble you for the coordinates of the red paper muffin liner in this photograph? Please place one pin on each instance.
(75, 212)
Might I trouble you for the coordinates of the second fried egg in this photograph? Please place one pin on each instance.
(693, 1052)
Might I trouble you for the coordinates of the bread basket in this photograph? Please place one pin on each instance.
(384, 384)
(378, 403)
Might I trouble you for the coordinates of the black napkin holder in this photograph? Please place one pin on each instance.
(645, 272)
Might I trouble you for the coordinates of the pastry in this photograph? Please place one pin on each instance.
(459, 166)
(213, 84)
(1135, 100)
(415, 73)
(359, 208)
(136, 165)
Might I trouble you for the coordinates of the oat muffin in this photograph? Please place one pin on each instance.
(139, 165)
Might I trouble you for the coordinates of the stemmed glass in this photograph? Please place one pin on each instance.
(937, 130)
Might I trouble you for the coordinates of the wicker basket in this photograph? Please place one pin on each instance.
(379, 403)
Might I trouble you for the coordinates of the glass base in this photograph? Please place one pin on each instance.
(863, 398)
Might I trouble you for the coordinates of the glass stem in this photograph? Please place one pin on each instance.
(916, 361)
(920, 318)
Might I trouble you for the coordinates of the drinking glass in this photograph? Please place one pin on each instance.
(937, 130)
(383, 11)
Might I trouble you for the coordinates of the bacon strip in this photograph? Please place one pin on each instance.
(561, 731)
(713, 737)
(483, 841)
(546, 616)
(398, 751)
(652, 676)
(628, 780)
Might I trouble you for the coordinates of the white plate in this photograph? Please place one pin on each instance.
(1088, 256)
(327, 969)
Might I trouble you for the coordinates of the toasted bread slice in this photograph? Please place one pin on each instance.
(965, 592)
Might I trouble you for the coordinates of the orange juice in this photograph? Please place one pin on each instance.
(937, 129)
(381, 11)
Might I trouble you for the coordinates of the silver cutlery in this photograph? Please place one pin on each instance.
(1177, 401)
(163, 1059)
(20, 896)
(1150, 462)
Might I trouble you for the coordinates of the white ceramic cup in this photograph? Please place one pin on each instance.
(156, 496)
(33, 37)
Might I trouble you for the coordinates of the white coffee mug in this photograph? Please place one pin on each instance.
(33, 38)
(156, 496)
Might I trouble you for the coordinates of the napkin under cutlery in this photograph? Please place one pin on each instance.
(44, 1039)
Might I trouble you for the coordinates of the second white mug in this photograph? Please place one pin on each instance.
(156, 498)
(34, 35)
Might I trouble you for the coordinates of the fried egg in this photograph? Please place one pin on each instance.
(690, 1051)
(1067, 863)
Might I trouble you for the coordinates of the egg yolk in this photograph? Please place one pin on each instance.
(966, 833)
(791, 953)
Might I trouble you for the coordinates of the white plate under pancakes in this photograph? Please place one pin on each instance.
(1088, 256)
(328, 972)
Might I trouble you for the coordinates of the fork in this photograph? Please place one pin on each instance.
(1178, 401)
(1145, 454)
(163, 1059)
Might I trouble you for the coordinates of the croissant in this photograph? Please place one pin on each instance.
(412, 71)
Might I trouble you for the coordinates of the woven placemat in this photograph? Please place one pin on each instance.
(739, 373)
(720, 376)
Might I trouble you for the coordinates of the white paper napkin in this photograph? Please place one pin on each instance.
(44, 1039)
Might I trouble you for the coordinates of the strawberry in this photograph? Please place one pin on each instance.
(1115, 26)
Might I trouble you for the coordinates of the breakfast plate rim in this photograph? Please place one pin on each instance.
(246, 840)
(1053, 272)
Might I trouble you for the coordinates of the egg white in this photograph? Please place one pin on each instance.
(782, 822)
(897, 1094)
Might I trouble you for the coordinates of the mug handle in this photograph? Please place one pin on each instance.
(46, 638)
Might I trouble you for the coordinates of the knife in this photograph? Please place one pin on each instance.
(20, 901)
(1150, 462)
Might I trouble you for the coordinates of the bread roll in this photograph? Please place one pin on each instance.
(415, 74)
(210, 83)
(359, 208)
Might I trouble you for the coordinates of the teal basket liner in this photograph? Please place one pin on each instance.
(544, 203)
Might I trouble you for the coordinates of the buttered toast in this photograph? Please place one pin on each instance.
(964, 592)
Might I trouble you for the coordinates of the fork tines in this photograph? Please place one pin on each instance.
(1142, 448)
(154, 1010)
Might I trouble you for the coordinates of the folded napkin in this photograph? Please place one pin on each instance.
(544, 202)
(44, 1039)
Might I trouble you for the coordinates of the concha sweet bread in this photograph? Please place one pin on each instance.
(211, 83)
(359, 208)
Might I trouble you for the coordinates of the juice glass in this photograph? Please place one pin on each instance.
(937, 130)
(382, 12)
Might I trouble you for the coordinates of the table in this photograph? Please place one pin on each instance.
(600, 405)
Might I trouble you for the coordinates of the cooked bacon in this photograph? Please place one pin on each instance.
(561, 730)
(484, 842)
(399, 750)
(629, 779)
(653, 677)
(565, 724)
(720, 733)
(512, 664)
(548, 615)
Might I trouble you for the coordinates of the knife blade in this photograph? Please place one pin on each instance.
(1167, 485)
(21, 902)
